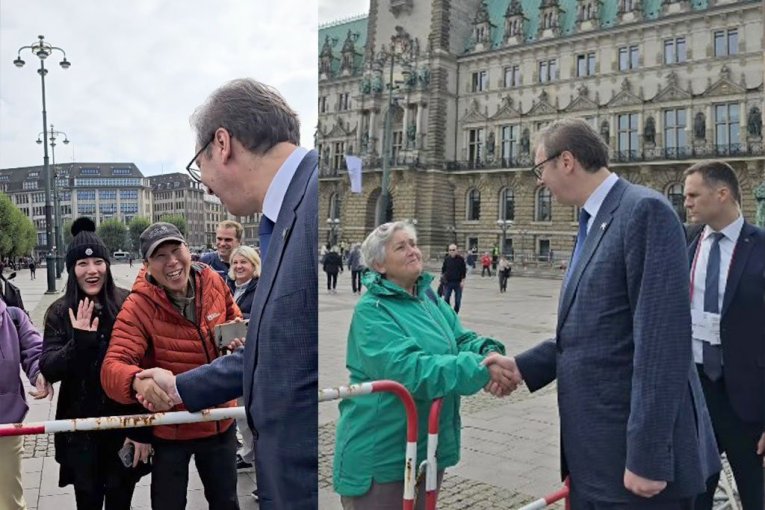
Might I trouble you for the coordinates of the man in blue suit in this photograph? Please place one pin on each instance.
(635, 432)
(727, 260)
(248, 155)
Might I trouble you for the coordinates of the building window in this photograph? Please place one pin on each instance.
(475, 145)
(585, 64)
(726, 128)
(397, 143)
(479, 32)
(545, 253)
(543, 211)
(323, 104)
(334, 206)
(675, 142)
(726, 42)
(548, 70)
(510, 147)
(512, 76)
(474, 205)
(677, 200)
(29, 185)
(628, 58)
(337, 161)
(479, 81)
(674, 51)
(507, 204)
(343, 101)
(627, 140)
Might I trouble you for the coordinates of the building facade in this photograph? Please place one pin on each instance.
(666, 83)
(101, 191)
(178, 195)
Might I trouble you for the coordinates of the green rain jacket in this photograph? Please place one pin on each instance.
(419, 342)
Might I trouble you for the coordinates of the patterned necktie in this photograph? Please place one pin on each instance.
(264, 234)
(712, 354)
(581, 235)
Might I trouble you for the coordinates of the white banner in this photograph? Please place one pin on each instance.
(354, 172)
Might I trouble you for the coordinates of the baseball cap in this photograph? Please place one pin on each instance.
(156, 234)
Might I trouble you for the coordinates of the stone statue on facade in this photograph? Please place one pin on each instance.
(364, 142)
(411, 134)
(649, 133)
(605, 131)
(490, 144)
(525, 142)
(754, 123)
(759, 194)
(700, 126)
(365, 85)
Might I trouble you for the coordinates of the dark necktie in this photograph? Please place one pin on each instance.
(712, 353)
(264, 234)
(581, 235)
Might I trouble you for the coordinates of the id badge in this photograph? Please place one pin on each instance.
(706, 326)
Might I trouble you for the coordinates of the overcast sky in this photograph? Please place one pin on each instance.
(333, 10)
(140, 68)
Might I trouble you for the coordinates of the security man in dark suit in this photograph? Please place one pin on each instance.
(727, 259)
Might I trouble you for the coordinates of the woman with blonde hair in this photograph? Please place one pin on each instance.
(243, 277)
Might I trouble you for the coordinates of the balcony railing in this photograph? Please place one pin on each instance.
(371, 164)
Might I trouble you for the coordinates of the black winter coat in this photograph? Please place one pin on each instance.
(333, 263)
(74, 357)
(245, 300)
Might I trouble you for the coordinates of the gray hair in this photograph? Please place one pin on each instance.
(373, 247)
(579, 138)
(253, 112)
(248, 253)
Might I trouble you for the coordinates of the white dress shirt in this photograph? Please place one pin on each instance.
(595, 200)
(272, 203)
(699, 271)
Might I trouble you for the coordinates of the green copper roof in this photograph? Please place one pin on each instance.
(608, 16)
(338, 33)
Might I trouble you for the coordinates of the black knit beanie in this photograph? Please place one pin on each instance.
(85, 243)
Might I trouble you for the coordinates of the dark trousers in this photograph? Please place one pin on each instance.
(580, 502)
(503, 281)
(739, 442)
(455, 287)
(331, 281)
(356, 281)
(94, 496)
(215, 458)
(484, 270)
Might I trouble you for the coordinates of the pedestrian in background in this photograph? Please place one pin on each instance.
(503, 270)
(356, 266)
(78, 330)
(333, 264)
(485, 265)
(20, 345)
(453, 273)
(727, 274)
(32, 266)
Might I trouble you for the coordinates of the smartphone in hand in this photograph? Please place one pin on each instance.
(126, 454)
(226, 333)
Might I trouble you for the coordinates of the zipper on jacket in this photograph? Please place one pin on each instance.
(201, 336)
(440, 326)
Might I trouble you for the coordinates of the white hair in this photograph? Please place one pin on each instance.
(373, 247)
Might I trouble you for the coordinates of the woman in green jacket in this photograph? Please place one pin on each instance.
(402, 331)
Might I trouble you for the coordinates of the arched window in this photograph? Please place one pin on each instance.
(543, 211)
(334, 206)
(677, 199)
(507, 204)
(474, 205)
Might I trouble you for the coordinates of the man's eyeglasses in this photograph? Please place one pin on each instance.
(537, 169)
(192, 168)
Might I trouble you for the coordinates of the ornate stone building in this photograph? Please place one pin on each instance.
(666, 82)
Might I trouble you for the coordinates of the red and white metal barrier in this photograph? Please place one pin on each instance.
(562, 493)
(410, 460)
(120, 422)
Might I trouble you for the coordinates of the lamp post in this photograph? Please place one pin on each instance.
(43, 50)
(397, 53)
(334, 225)
(504, 225)
(56, 200)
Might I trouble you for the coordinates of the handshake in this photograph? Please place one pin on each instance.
(155, 389)
(504, 374)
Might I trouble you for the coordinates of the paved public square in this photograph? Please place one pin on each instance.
(39, 468)
(510, 447)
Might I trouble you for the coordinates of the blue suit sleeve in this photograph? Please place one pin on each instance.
(538, 365)
(212, 384)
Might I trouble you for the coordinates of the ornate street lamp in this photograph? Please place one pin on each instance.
(334, 226)
(43, 50)
(56, 199)
(504, 225)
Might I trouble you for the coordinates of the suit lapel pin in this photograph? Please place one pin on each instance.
(284, 233)
(603, 226)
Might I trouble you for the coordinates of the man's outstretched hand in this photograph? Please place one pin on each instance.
(155, 389)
